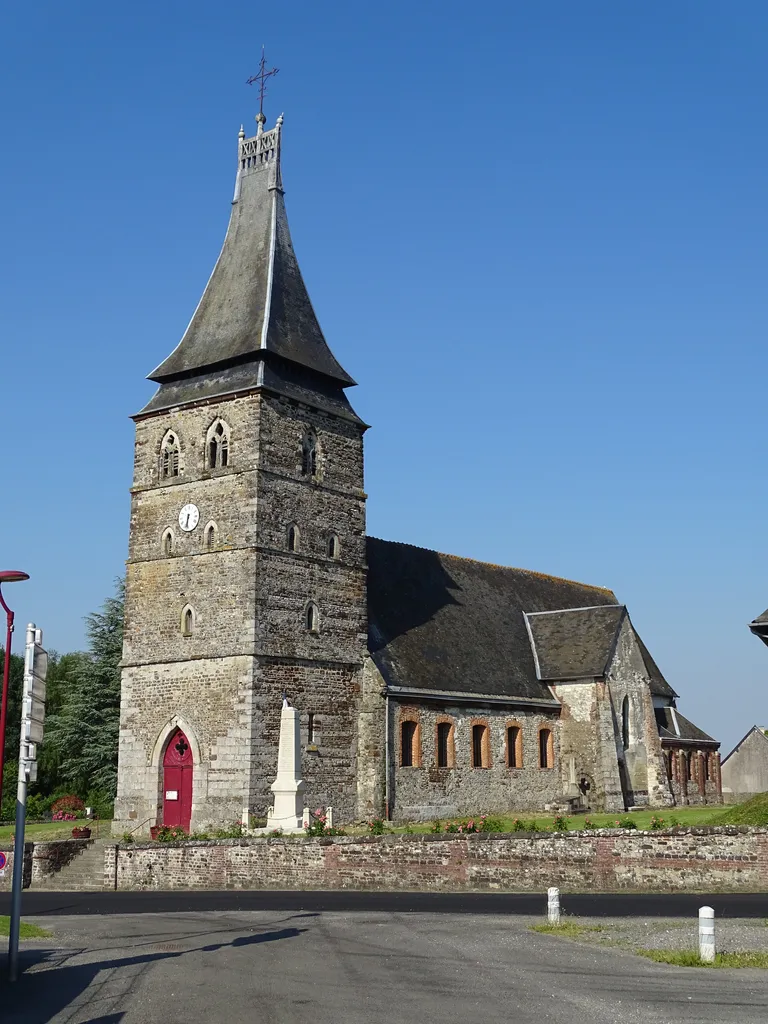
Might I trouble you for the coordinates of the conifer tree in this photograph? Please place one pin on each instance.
(82, 735)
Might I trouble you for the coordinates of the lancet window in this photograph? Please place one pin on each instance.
(169, 456)
(218, 445)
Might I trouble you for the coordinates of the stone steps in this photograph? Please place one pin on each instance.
(71, 865)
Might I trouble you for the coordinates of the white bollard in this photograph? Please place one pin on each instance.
(553, 905)
(707, 935)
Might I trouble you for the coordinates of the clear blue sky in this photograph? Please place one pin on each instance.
(535, 233)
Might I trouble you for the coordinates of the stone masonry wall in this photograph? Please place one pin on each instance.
(250, 644)
(679, 860)
(645, 777)
(425, 791)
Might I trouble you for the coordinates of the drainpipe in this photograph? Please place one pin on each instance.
(386, 757)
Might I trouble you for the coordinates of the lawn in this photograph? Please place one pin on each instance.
(26, 930)
(55, 830)
(642, 819)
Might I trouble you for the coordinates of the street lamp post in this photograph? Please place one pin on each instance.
(9, 576)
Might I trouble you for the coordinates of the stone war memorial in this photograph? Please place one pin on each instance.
(420, 684)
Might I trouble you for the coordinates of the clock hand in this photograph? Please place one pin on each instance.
(187, 522)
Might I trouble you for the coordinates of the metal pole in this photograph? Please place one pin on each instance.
(387, 813)
(6, 677)
(18, 843)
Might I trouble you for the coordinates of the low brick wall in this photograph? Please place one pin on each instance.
(680, 859)
(684, 859)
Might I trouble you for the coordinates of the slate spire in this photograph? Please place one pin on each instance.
(254, 325)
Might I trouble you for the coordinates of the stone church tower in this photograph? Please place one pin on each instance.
(246, 576)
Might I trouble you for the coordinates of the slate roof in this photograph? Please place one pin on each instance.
(673, 726)
(447, 624)
(577, 643)
(255, 307)
(659, 685)
(759, 626)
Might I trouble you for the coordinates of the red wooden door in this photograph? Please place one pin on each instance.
(177, 782)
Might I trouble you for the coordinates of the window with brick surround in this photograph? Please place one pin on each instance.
(546, 748)
(217, 445)
(514, 746)
(293, 537)
(690, 766)
(409, 744)
(169, 456)
(707, 767)
(444, 751)
(313, 729)
(481, 746)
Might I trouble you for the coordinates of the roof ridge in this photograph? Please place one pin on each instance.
(496, 565)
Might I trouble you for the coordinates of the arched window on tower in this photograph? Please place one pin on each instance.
(168, 543)
(187, 621)
(309, 454)
(210, 536)
(169, 456)
(218, 445)
(312, 618)
(293, 537)
(334, 547)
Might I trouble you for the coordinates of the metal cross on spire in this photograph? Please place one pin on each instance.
(261, 78)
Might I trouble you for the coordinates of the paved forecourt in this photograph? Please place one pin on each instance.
(283, 966)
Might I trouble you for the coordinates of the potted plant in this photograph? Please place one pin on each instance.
(154, 831)
(81, 832)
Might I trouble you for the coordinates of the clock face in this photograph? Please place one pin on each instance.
(189, 517)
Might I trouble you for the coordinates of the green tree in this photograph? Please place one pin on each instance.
(81, 734)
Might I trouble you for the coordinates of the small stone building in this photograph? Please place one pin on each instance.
(745, 769)
(428, 684)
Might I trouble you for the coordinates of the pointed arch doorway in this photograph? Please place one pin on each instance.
(178, 766)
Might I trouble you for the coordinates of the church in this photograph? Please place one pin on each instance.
(428, 685)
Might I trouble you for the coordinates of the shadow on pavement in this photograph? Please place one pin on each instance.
(39, 995)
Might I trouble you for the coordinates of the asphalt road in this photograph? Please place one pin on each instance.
(361, 968)
(598, 905)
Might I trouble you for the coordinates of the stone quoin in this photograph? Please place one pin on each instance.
(426, 685)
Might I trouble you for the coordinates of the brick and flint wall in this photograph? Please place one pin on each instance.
(678, 860)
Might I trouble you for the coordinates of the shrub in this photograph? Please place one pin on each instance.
(376, 827)
(657, 823)
(560, 823)
(627, 822)
(70, 803)
(492, 824)
(127, 837)
(588, 823)
(318, 825)
(520, 825)
(437, 828)
(171, 835)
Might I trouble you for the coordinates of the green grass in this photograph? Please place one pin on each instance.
(55, 830)
(26, 930)
(683, 815)
(690, 958)
(568, 929)
(753, 812)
